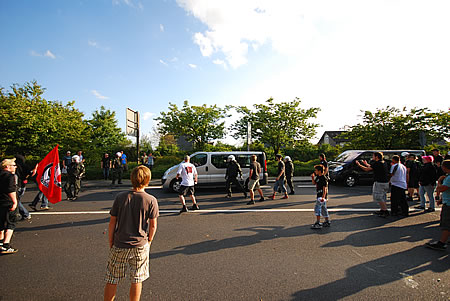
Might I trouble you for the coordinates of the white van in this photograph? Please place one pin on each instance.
(212, 166)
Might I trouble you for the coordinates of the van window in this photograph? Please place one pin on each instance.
(199, 159)
(243, 160)
(219, 161)
(367, 156)
(347, 156)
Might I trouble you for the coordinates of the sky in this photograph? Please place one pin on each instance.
(341, 56)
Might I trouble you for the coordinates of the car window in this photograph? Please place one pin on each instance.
(199, 159)
(367, 156)
(243, 160)
(347, 156)
(219, 161)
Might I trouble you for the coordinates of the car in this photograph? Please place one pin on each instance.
(344, 169)
(212, 166)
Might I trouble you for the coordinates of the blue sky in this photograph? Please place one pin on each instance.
(341, 56)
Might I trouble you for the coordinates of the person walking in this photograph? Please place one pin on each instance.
(324, 163)
(23, 173)
(150, 161)
(289, 167)
(320, 209)
(8, 205)
(117, 169)
(398, 186)
(67, 160)
(380, 186)
(74, 175)
(444, 189)
(253, 183)
(106, 166)
(132, 228)
(279, 181)
(189, 177)
(233, 171)
(427, 183)
(124, 161)
(412, 176)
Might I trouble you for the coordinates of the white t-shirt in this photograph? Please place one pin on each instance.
(187, 171)
(399, 178)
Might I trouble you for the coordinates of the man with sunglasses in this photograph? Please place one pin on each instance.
(8, 204)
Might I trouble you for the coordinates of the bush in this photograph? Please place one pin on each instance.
(300, 168)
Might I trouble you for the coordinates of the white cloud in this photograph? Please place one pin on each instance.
(161, 27)
(130, 3)
(221, 63)
(48, 54)
(162, 62)
(147, 115)
(98, 95)
(193, 66)
(97, 45)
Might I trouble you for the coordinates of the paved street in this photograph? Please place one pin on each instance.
(231, 251)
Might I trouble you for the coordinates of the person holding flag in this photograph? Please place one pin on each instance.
(48, 179)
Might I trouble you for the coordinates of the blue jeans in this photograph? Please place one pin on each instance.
(429, 190)
(279, 183)
(105, 173)
(40, 197)
(320, 209)
(22, 210)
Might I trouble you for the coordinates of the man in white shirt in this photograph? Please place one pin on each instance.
(398, 188)
(189, 176)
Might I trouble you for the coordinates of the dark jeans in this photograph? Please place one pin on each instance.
(40, 197)
(234, 181)
(398, 200)
(289, 182)
(22, 210)
(117, 175)
(105, 173)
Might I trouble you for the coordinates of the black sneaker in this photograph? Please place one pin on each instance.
(32, 207)
(252, 202)
(382, 213)
(262, 199)
(228, 196)
(430, 210)
(316, 225)
(436, 245)
(420, 207)
(292, 192)
(195, 207)
(326, 224)
(184, 209)
(245, 195)
(8, 250)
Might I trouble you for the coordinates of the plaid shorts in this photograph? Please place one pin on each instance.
(136, 258)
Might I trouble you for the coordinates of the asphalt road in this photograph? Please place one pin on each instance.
(231, 251)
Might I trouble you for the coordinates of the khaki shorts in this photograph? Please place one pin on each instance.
(253, 184)
(137, 259)
(379, 191)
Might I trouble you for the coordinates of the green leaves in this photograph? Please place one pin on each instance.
(277, 124)
(199, 124)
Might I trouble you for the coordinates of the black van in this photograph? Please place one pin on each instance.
(343, 169)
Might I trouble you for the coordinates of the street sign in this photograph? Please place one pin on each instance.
(132, 123)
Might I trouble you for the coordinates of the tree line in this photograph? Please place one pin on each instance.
(33, 125)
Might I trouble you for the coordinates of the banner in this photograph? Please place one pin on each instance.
(49, 176)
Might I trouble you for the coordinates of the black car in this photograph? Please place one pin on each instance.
(344, 169)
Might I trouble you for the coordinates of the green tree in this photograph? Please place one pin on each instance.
(276, 124)
(393, 128)
(199, 124)
(32, 125)
(106, 134)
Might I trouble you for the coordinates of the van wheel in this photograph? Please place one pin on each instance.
(350, 181)
(175, 185)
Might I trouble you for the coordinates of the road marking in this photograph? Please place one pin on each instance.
(153, 187)
(220, 211)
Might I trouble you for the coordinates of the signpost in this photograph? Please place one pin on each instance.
(133, 127)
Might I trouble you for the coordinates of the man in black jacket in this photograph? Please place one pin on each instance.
(233, 170)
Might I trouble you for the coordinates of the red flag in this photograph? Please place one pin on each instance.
(49, 176)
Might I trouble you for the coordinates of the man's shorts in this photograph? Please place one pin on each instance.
(8, 219)
(379, 191)
(413, 183)
(445, 218)
(137, 259)
(185, 190)
(253, 184)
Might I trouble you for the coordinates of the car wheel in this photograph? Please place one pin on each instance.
(350, 181)
(175, 185)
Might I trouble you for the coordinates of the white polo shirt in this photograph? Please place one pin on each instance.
(399, 178)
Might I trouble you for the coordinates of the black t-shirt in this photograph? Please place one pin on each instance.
(7, 185)
(256, 168)
(280, 168)
(380, 172)
(321, 183)
(106, 162)
(413, 168)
